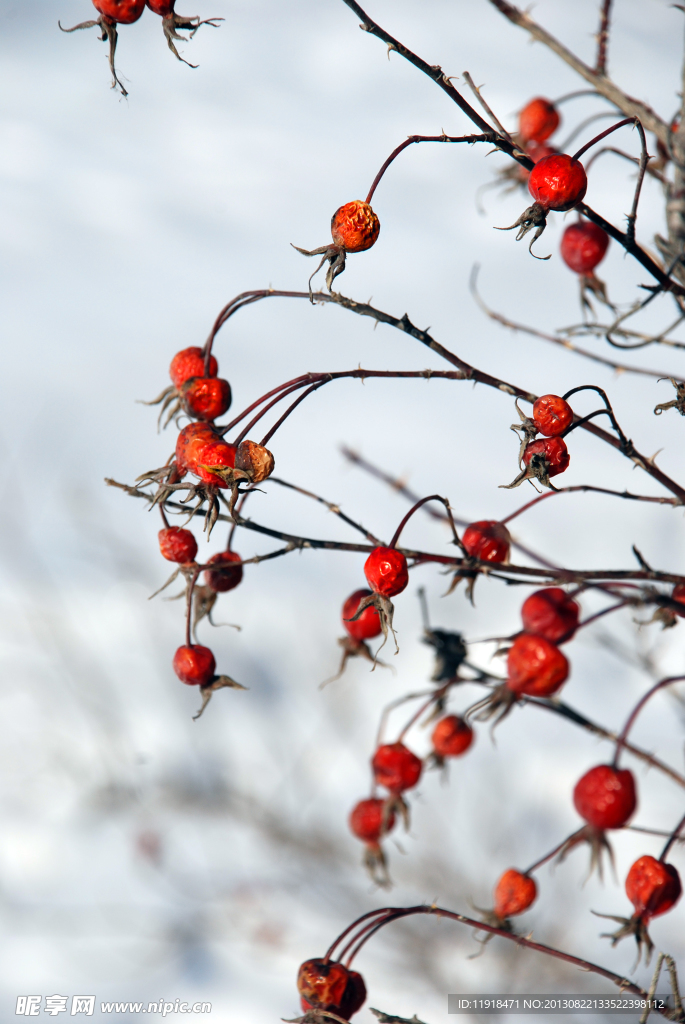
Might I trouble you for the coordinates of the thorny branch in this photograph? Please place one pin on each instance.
(603, 39)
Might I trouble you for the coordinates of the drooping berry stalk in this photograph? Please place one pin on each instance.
(620, 742)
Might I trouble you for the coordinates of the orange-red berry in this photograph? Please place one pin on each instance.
(678, 594)
(386, 571)
(535, 667)
(369, 822)
(368, 625)
(227, 574)
(487, 540)
(206, 398)
(396, 767)
(330, 986)
(514, 893)
(200, 449)
(194, 664)
(177, 544)
(652, 887)
(605, 796)
(355, 226)
(190, 362)
(557, 182)
(550, 613)
(584, 246)
(538, 120)
(123, 12)
(552, 451)
(452, 736)
(552, 415)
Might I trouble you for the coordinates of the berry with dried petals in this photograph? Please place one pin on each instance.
(371, 819)
(206, 398)
(396, 767)
(255, 460)
(368, 625)
(190, 362)
(177, 544)
(538, 120)
(557, 182)
(605, 796)
(514, 893)
(386, 571)
(194, 664)
(355, 226)
(535, 667)
(652, 887)
(452, 736)
(552, 415)
(227, 574)
(584, 246)
(199, 449)
(123, 12)
(551, 452)
(487, 540)
(550, 613)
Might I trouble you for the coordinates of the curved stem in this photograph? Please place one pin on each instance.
(414, 508)
(548, 856)
(189, 604)
(672, 839)
(620, 742)
(364, 917)
(490, 137)
(603, 135)
(291, 408)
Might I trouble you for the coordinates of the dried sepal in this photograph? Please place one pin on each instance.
(534, 216)
(386, 610)
(216, 683)
(599, 846)
(352, 648)
(635, 925)
(677, 403)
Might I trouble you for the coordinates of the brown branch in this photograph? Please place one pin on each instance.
(603, 39)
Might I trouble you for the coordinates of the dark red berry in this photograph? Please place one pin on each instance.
(557, 182)
(538, 120)
(164, 8)
(535, 666)
(396, 768)
(322, 984)
(227, 575)
(514, 893)
(605, 796)
(367, 820)
(255, 460)
(652, 887)
(190, 362)
(550, 613)
(386, 571)
(177, 544)
(551, 451)
(552, 415)
(678, 594)
(584, 246)
(452, 736)
(368, 625)
(194, 665)
(205, 398)
(487, 540)
(355, 226)
(123, 12)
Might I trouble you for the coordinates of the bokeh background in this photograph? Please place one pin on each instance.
(144, 855)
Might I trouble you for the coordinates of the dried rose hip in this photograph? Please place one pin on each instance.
(227, 574)
(652, 887)
(190, 362)
(584, 246)
(538, 120)
(396, 768)
(551, 454)
(514, 893)
(206, 398)
(557, 182)
(199, 449)
(386, 571)
(451, 737)
(487, 540)
(327, 985)
(369, 821)
(355, 226)
(678, 594)
(123, 12)
(255, 460)
(194, 664)
(550, 613)
(368, 625)
(188, 443)
(552, 415)
(605, 796)
(177, 544)
(535, 666)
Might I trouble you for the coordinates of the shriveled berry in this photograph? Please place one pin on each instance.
(551, 451)
(487, 540)
(386, 571)
(514, 893)
(584, 246)
(200, 449)
(678, 594)
(535, 666)
(322, 984)
(552, 415)
(123, 12)
(227, 574)
(368, 625)
(396, 767)
(367, 820)
(177, 544)
(605, 796)
(255, 460)
(355, 994)
(652, 887)
(538, 120)
(194, 664)
(355, 226)
(550, 613)
(190, 362)
(187, 443)
(452, 736)
(206, 397)
(557, 182)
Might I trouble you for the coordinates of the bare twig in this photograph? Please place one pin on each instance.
(603, 39)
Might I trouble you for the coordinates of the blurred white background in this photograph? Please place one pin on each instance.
(144, 855)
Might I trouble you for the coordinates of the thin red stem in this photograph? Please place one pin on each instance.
(424, 138)
(620, 742)
(673, 837)
(603, 135)
(548, 856)
(371, 913)
(413, 509)
(291, 408)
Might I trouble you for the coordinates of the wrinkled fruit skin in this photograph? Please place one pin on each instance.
(368, 625)
(366, 820)
(452, 736)
(224, 579)
(557, 182)
(535, 666)
(553, 450)
(190, 362)
(124, 12)
(255, 460)
(552, 415)
(355, 226)
(330, 986)
(550, 613)
(386, 571)
(535, 151)
(514, 893)
(679, 595)
(487, 540)
(538, 120)
(396, 768)
(206, 398)
(198, 447)
(177, 544)
(584, 246)
(652, 887)
(605, 796)
(194, 665)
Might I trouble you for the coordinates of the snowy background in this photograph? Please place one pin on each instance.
(147, 856)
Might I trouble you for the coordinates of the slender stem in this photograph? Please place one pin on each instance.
(490, 137)
(644, 158)
(433, 699)
(329, 505)
(672, 839)
(620, 742)
(490, 113)
(414, 508)
(548, 856)
(364, 917)
(291, 408)
(603, 135)
(603, 39)
(164, 518)
(189, 604)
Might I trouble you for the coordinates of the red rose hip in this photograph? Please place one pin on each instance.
(368, 625)
(123, 12)
(550, 453)
(605, 796)
(177, 544)
(584, 246)
(487, 540)
(678, 594)
(396, 767)
(550, 613)
(557, 182)
(206, 398)
(536, 667)
(194, 664)
(452, 736)
(386, 571)
(227, 574)
(652, 887)
(538, 120)
(367, 820)
(190, 362)
(355, 226)
(552, 415)
(514, 893)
